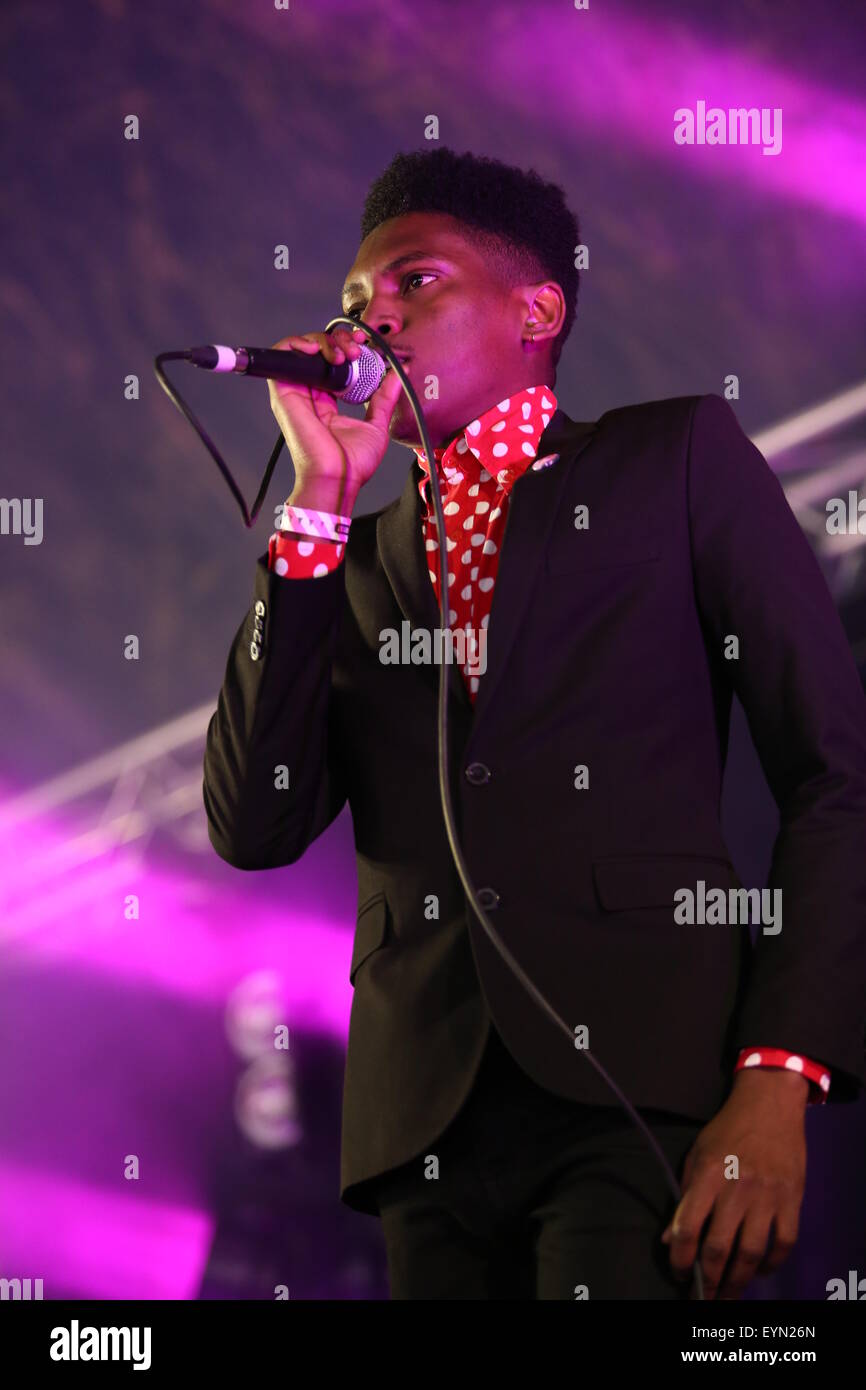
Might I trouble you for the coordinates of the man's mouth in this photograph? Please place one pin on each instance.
(404, 361)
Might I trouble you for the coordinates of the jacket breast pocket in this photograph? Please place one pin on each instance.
(371, 932)
(577, 551)
(626, 882)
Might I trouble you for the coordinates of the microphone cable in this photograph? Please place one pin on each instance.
(442, 710)
(177, 400)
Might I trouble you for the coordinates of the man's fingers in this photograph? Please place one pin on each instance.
(335, 347)
(345, 343)
(685, 1182)
(296, 343)
(749, 1250)
(783, 1238)
(688, 1221)
(716, 1246)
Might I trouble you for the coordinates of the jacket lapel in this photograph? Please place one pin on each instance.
(532, 508)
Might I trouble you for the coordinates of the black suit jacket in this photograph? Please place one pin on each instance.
(606, 648)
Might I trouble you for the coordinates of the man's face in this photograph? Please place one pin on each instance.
(434, 296)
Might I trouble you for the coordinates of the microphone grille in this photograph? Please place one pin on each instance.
(368, 373)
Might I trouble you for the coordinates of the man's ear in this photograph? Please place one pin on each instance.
(545, 311)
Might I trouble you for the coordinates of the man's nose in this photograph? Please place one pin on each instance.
(385, 320)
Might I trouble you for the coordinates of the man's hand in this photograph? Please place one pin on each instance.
(333, 455)
(762, 1125)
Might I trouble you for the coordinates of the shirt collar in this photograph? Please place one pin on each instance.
(498, 446)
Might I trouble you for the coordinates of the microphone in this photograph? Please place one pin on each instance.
(353, 381)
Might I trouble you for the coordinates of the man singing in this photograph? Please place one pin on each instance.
(630, 575)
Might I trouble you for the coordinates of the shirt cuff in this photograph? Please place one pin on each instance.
(308, 543)
(291, 556)
(815, 1073)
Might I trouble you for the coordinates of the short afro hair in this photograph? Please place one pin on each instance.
(521, 222)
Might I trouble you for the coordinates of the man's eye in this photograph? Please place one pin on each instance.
(356, 312)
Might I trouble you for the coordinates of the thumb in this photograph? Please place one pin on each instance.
(667, 1234)
(381, 405)
(684, 1183)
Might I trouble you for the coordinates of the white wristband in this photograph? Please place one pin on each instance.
(325, 526)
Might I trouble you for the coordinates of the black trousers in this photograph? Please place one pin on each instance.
(537, 1197)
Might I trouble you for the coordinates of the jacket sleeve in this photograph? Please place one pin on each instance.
(272, 780)
(757, 579)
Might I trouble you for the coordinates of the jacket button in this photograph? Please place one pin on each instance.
(488, 898)
(254, 650)
(258, 624)
(477, 774)
(260, 608)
